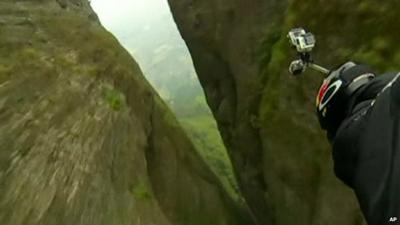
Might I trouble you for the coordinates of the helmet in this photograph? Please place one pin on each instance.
(336, 92)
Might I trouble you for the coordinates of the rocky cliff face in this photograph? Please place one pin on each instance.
(84, 139)
(266, 118)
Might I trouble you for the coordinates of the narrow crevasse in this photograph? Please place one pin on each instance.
(148, 32)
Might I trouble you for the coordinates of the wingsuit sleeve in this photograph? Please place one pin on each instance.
(366, 151)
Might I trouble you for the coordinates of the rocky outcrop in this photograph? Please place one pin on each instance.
(266, 117)
(84, 139)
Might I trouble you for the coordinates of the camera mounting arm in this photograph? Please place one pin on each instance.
(318, 68)
(304, 42)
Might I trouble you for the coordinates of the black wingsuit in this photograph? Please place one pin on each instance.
(366, 149)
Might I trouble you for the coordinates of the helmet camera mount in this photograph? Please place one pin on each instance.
(304, 43)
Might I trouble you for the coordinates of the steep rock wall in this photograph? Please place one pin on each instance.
(84, 139)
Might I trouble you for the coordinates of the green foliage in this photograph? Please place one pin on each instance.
(272, 36)
(368, 56)
(142, 191)
(203, 131)
(114, 99)
(273, 79)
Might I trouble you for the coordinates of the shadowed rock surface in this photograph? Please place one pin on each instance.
(266, 117)
(84, 139)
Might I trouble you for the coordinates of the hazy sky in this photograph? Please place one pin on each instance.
(147, 30)
(117, 14)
